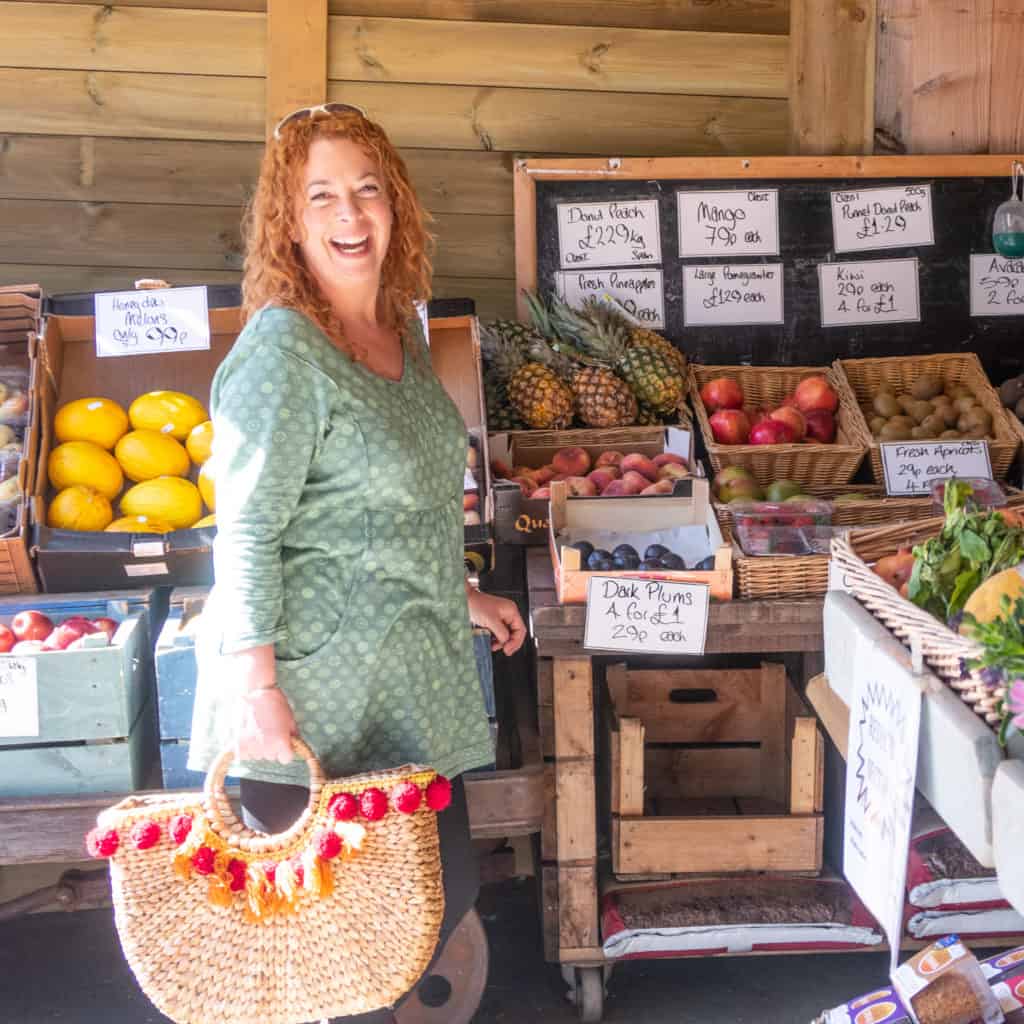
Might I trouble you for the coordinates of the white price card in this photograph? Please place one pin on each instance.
(19, 697)
(741, 222)
(646, 616)
(640, 293)
(912, 466)
(997, 285)
(872, 292)
(837, 579)
(151, 321)
(882, 218)
(732, 293)
(613, 234)
(881, 771)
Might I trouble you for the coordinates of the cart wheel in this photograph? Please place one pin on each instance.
(451, 992)
(590, 994)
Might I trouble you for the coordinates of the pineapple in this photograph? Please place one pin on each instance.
(647, 417)
(535, 391)
(606, 336)
(601, 398)
(500, 414)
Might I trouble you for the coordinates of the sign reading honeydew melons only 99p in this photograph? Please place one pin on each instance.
(646, 616)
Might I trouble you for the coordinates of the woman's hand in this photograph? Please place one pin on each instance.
(265, 725)
(500, 616)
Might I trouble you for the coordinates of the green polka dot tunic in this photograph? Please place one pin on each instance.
(339, 541)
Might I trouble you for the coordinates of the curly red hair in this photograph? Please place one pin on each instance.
(275, 271)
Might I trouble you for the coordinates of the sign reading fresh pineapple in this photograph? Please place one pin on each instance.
(640, 293)
(615, 234)
(151, 321)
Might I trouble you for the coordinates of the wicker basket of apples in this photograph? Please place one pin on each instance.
(779, 422)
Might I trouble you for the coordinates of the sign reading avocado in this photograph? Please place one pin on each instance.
(151, 321)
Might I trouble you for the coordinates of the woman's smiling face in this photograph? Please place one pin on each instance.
(344, 214)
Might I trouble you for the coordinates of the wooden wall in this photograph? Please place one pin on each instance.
(950, 76)
(130, 134)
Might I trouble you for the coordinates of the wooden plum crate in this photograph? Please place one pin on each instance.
(712, 771)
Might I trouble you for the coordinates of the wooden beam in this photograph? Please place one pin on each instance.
(894, 74)
(832, 76)
(1006, 114)
(296, 56)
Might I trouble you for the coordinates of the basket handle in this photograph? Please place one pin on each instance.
(221, 815)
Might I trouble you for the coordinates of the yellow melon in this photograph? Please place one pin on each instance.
(145, 455)
(168, 499)
(82, 462)
(200, 442)
(985, 604)
(79, 508)
(206, 487)
(138, 524)
(99, 420)
(167, 412)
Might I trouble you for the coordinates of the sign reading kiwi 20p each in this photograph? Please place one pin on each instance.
(872, 292)
(882, 218)
(741, 222)
(997, 285)
(621, 233)
(640, 293)
(732, 293)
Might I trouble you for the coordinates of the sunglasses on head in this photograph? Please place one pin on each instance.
(324, 109)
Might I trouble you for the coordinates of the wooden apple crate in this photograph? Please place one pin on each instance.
(712, 771)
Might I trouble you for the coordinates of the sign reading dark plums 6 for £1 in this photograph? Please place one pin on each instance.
(646, 616)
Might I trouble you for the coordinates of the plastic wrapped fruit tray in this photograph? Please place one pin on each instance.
(818, 465)
(865, 377)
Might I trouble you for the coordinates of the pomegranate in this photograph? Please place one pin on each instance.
(793, 417)
(730, 426)
(821, 426)
(814, 393)
(721, 393)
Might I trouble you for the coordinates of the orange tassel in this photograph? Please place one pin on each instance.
(218, 893)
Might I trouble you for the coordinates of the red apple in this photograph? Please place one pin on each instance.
(7, 639)
(771, 431)
(31, 625)
(793, 417)
(640, 464)
(721, 393)
(574, 461)
(814, 393)
(730, 426)
(608, 459)
(821, 426)
(666, 457)
(581, 487)
(105, 625)
(603, 476)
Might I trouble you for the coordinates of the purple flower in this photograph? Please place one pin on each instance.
(1015, 703)
(991, 676)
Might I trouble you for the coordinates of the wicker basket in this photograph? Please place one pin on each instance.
(944, 650)
(866, 376)
(819, 465)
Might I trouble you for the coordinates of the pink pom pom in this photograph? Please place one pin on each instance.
(343, 807)
(406, 797)
(102, 842)
(373, 804)
(439, 794)
(145, 834)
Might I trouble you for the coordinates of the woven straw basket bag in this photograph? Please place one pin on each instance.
(339, 915)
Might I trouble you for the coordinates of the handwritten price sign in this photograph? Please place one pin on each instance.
(997, 286)
(911, 466)
(19, 697)
(735, 223)
(882, 218)
(154, 321)
(616, 234)
(732, 293)
(641, 293)
(646, 616)
(871, 292)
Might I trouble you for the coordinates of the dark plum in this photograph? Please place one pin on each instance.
(656, 551)
(705, 564)
(585, 548)
(625, 561)
(596, 564)
(673, 561)
(599, 555)
(651, 564)
(626, 549)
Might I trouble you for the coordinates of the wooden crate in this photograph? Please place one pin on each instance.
(96, 707)
(712, 771)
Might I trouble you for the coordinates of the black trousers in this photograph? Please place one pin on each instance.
(273, 807)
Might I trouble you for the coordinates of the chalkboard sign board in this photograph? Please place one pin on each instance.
(885, 289)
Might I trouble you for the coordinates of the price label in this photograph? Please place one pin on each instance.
(872, 292)
(912, 466)
(646, 616)
(741, 222)
(837, 577)
(616, 234)
(19, 697)
(882, 218)
(732, 293)
(640, 293)
(997, 286)
(153, 321)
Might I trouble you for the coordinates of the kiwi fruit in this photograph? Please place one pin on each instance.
(895, 432)
(926, 387)
(1019, 409)
(921, 410)
(885, 404)
(1012, 391)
